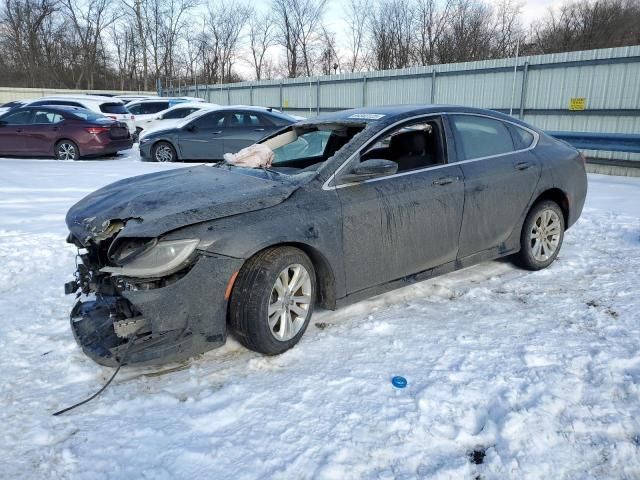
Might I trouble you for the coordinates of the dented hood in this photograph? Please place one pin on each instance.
(153, 204)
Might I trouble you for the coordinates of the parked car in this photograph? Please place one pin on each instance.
(148, 108)
(356, 203)
(128, 98)
(66, 133)
(172, 115)
(209, 134)
(110, 107)
(4, 108)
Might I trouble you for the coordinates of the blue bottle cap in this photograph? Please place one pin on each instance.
(399, 382)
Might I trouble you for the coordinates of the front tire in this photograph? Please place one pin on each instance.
(163, 152)
(542, 236)
(272, 300)
(66, 150)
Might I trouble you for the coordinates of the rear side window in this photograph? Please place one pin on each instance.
(179, 113)
(279, 121)
(45, 117)
(17, 118)
(85, 115)
(117, 108)
(479, 137)
(245, 120)
(521, 137)
(153, 107)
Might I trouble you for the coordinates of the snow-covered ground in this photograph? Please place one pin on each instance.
(538, 371)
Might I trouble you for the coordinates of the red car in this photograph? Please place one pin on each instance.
(67, 133)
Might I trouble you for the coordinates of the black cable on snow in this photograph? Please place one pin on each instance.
(104, 387)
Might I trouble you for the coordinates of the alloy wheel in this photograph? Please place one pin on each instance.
(66, 151)
(164, 153)
(289, 302)
(544, 236)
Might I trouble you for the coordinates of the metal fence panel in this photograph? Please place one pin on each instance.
(546, 90)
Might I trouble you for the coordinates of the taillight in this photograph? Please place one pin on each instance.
(96, 130)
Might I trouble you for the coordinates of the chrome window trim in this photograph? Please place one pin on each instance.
(326, 186)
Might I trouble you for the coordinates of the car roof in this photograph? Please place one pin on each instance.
(192, 105)
(82, 98)
(55, 108)
(387, 113)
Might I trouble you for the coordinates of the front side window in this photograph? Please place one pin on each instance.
(412, 146)
(479, 137)
(209, 121)
(17, 118)
(46, 117)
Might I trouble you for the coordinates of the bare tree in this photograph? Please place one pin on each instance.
(432, 19)
(262, 36)
(390, 29)
(356, 16)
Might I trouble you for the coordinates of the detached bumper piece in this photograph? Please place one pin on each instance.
(155, 326)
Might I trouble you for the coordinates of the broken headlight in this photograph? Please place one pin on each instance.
(152, 259)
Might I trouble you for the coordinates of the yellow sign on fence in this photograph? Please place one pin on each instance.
(578, 103)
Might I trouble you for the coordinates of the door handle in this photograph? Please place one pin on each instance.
(444, 180)
(216, 133)
(55, 129)
(259, 130)
(19, 130)
(522, 165)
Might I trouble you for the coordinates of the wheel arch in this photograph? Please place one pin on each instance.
(558, 196)
(325, 276)
(164, 140)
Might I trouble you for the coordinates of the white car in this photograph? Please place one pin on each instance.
(147, 109)
(170, 116)
(108, 106)
(128, 98)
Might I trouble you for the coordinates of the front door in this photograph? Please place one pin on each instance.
(202, 138)
(404, 223)
(12, 137)
(500, 174)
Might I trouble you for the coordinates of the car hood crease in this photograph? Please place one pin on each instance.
(153, 204)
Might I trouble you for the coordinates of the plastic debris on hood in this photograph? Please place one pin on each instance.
(253, 156)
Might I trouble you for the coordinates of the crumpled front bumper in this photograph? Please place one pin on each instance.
(180, 320)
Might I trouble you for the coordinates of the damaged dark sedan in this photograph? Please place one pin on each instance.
(355, 203)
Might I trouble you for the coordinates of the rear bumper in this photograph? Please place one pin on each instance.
(178, 321)
(113, 146)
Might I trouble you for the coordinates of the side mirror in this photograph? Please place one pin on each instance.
(191, 128)
(369, 169)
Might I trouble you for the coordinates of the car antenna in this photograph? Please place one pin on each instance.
(104, 387)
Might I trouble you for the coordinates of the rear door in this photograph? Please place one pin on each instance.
(12, 133)
(201, 139)
(43, 130)
(242, 128)
(501, 174)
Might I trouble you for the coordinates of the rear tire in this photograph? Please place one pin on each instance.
(542, 236)
(66, 150)
(163, 152)
(272, 300)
